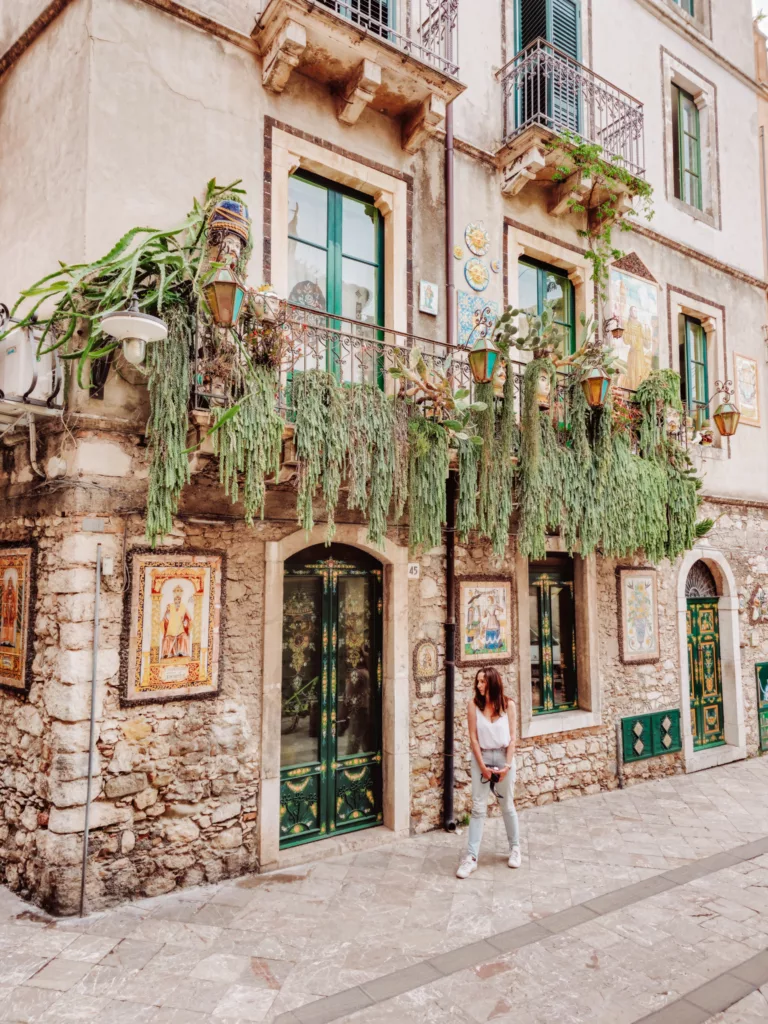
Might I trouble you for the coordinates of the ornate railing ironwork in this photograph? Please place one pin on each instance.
(424, 29)
(544, 86)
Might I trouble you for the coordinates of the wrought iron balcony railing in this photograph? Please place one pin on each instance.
(424, 29)
(544, 86)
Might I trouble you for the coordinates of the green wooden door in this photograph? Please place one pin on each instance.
(761, 671)
(330, 757)
(704, 672)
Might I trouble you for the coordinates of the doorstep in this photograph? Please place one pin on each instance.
(726, 753)
(350, 842)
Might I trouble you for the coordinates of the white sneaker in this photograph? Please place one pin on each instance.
(515, 858)
(467, 866)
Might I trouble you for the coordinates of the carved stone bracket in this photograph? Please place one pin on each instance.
(526, 168)
(284, 55)
(360, 90)
(426, 121)
(575, 189)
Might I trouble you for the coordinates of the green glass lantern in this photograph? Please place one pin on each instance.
(224, 294)
(482, 360)
(727, 418)
(595, 387)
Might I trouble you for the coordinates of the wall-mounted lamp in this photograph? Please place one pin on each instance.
(134, 329)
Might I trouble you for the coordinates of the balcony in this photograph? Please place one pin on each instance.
(547, 94)
(398, 56)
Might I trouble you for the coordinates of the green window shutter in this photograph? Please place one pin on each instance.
(687, 148)
(665, 727)
(636, 738)
(564, 26)
(696, 370)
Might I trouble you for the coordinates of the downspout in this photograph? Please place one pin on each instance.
(449, 821)
(763, 172)
(92, 732)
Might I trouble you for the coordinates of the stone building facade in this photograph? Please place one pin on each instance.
(190, 791)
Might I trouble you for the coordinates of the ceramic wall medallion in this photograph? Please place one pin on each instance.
(477, 275)
(171, 635)
(638, 616)
(428, 298)
(477, 239)
(476, 317)
(485, 620)
(17, 566)
(458, 252)
(747, 389)
(496, 266)
(425, 667)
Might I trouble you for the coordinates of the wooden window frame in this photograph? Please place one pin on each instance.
(698, 408)
(542, 270)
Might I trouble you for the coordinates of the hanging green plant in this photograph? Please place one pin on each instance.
(371, 455)
(250, 441)
(169, 383)
(321, 443)
(428, 468)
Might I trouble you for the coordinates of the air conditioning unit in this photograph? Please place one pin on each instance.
(23, 376)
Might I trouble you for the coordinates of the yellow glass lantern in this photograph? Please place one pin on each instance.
(727, 418)
(595, 387)
(224, 294)
(482, 360)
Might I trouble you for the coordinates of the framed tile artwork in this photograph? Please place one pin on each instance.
(747, 383)
(476, 317)
(17, 602)
(484, 627)
(638, 616)
(172, 629)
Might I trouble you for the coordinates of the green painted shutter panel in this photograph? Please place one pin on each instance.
(565, 26)
(665, 727)
(645, 736)
(533, 21)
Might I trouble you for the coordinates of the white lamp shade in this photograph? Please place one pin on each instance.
(129, 324)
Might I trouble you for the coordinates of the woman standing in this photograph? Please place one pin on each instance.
(491, 721)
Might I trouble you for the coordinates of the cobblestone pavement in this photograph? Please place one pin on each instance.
(626, 903)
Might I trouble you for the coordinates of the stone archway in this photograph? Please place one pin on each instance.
(715, 571)
(395, 684)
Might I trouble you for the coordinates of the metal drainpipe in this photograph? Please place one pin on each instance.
(92, 732)
(449, 821)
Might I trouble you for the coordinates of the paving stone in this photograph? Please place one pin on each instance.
(755, 971)
(515, 938)
(333, 1007)
(679, 1012)
(567, 918)
(464, 956)
(720, 993)
(400, 981)
(59, 974)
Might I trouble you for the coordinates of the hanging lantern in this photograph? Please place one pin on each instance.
(727, 414)
(727, 418)
(224, 294)
(595, 387)
(482, 360)
(134, 329)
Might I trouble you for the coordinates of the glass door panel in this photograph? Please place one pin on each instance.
(356, 669)
(302, 671)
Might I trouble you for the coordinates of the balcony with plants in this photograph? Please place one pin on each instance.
(399, 57)
(353, 414)
(552, 106)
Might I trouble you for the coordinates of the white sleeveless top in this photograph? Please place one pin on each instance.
(492, 735)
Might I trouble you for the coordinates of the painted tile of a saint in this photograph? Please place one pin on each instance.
(16, 566)
(10, 609)
(634, 302)
(177, 623)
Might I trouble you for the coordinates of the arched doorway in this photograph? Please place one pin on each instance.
(704, 664)
(331, 694)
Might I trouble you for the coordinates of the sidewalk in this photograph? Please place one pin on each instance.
(391, 935)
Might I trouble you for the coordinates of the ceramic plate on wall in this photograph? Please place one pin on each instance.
(477, 239)
(477, 274)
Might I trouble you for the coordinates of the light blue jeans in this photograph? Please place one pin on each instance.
(505, 793)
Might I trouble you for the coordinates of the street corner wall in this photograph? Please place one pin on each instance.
(175, 787)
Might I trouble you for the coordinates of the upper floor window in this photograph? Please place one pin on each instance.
(557, 21)
(694, 367)
(552, 623)
(686, 145)
(687, 6)
(335, 249)
(538, 284)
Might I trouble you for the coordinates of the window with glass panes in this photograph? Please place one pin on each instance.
(552, 637)
(686, 143)
(538, 284)
(687, 5)
(335, 250)
(695, 373)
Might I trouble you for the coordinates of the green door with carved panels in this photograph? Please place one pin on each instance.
(704, 672)
(330, 755)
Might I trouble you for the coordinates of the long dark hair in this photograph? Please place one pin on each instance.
(494, 691)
